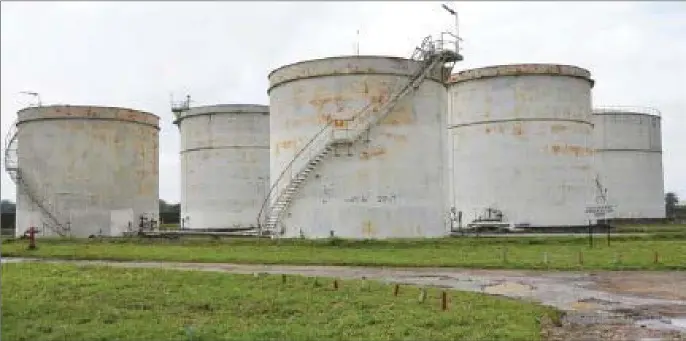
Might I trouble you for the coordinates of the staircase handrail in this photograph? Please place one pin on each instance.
(11, 165)
(361, 122)
(289, 166)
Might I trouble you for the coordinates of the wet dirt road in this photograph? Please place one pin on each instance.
(600, 305)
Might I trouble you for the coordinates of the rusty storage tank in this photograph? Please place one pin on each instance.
(387, 185)
(87, 170)
(224, 165)
(628, 158)
(521, 145)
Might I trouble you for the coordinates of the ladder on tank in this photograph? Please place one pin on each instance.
(14, 171)
(430, 54)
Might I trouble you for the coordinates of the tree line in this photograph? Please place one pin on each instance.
(8, 206)
(672, 207)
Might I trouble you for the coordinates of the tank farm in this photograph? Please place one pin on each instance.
(360, 147)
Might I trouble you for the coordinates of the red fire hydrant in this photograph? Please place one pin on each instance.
(32, 238)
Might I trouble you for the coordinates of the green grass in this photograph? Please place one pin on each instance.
(625, 252)
(169, 227)
(654, 228)
(66, 302)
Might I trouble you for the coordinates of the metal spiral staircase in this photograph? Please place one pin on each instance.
(15, 172)
(429, 55)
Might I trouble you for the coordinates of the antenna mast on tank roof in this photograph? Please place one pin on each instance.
(179, 108)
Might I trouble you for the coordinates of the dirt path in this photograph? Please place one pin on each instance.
(599, 305)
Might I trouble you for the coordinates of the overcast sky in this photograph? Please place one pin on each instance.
(134, 54)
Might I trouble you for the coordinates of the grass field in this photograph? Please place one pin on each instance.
(625, 252)
(66, 302)
(652, 228)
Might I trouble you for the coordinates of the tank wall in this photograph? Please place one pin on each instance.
(225, 165)
(528, 170)
(530, 97)
(627, 132)
(521, 143)
(96, 168)
(629, 163)
(389, 187)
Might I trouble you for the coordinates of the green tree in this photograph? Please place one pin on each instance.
(7, 206)
(671, 201)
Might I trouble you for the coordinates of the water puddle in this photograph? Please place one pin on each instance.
(665, 323)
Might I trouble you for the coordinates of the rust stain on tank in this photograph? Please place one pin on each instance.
(313, 119)
(488, 130)
(320, 102)
(558, 128)
(323, 118)
(571, 150)
(372, 152)
(517, 129)
(368, 229)
(395, 137)
(401, 115)
(286, 144)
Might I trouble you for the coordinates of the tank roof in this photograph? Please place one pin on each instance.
(68, 111)
(520, 70)
(345, 65)
(334, 58)
(626, 110)
(218, 109)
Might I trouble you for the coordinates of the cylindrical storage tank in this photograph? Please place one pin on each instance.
(95, 169)
(387, 185)
(628, 159)
(521, 145)
(224, 165)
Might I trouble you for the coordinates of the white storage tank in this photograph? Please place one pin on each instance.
(628, 145)
(86, 170)
(521, 145)
(224, 165)
(390, 184)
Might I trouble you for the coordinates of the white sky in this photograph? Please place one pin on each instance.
(134, 54)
